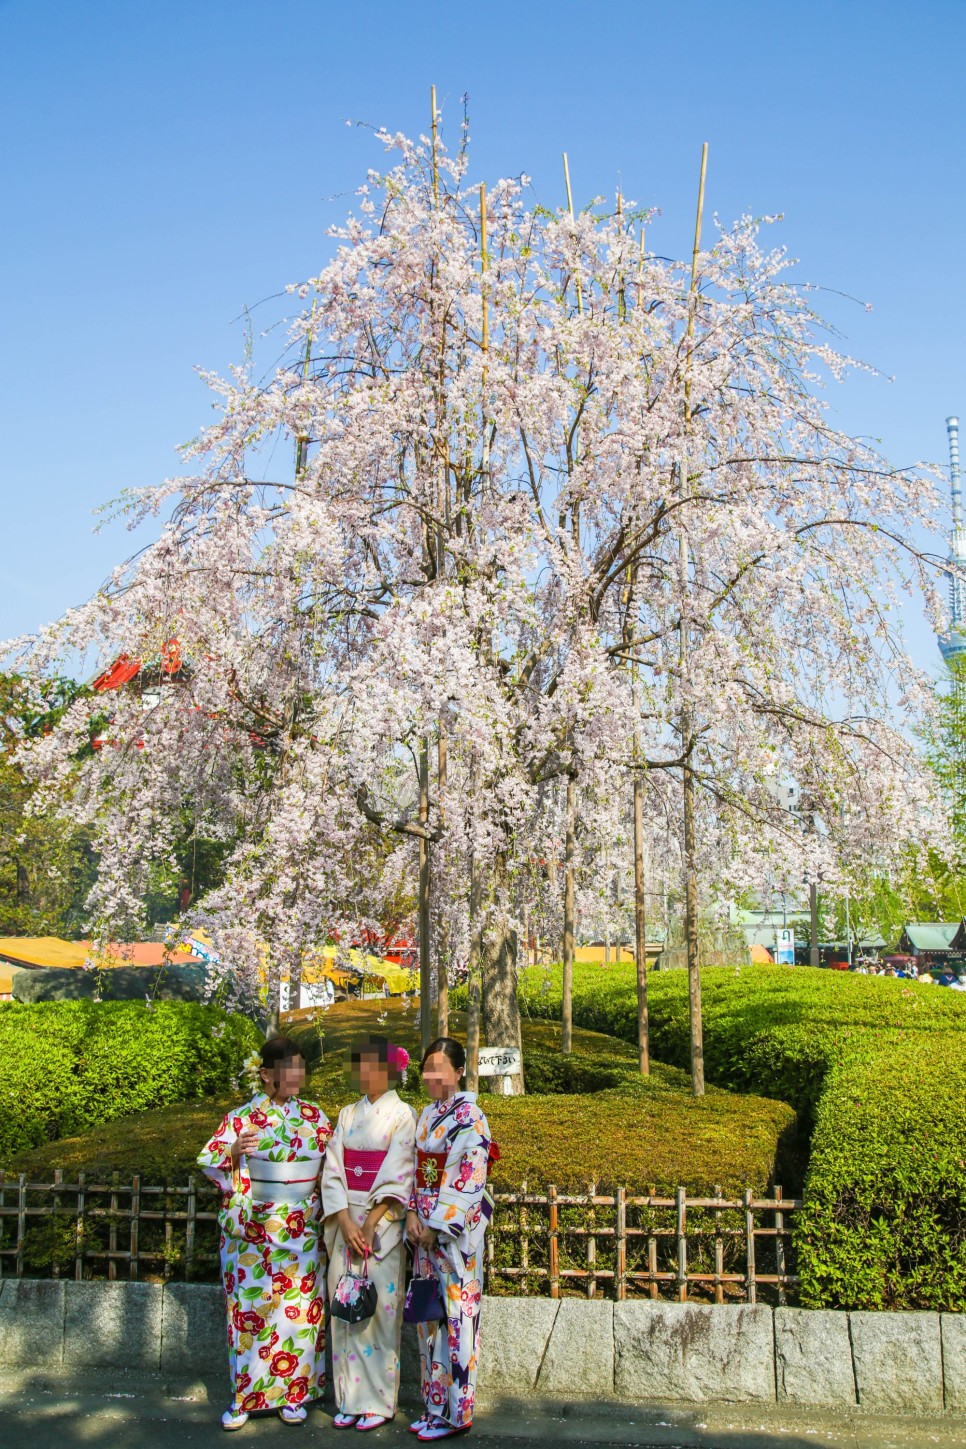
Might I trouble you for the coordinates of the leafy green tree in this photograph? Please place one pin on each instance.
(46, 865)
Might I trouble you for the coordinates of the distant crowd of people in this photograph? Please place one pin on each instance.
(909, 971)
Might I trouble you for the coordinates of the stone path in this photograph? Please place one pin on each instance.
(44, 1411)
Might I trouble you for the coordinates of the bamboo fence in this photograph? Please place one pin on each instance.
(597, 1245)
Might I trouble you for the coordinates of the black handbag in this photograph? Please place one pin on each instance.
(355, 1297)
(424, 1301)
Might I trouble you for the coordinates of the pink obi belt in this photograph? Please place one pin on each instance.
(362, 1168)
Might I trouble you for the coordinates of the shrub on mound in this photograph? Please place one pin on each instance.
(638, 1134)
(67, 1065)
(876, 1069)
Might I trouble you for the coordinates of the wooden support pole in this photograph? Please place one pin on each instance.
(687, 721)
(567, 1014)
(570, 208)
(442, 955)
(640, 928)
(425, 959)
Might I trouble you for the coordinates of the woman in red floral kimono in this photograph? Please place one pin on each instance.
(267, 1157)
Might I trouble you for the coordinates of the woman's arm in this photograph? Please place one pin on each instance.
(219, 1156)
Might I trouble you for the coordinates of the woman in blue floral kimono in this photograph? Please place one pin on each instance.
(449, 1212)
(267, 1157)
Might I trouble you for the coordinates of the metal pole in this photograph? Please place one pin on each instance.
(813, 924)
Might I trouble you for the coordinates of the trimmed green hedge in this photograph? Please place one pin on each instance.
(876, 1069)
(67, 1065)
(638, 1134)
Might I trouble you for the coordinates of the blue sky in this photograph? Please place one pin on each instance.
(164, 165)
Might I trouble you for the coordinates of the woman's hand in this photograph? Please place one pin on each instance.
(413, 1228)
(352, 1235)
(246, 1141)
(370, 1225)
(427, 1237)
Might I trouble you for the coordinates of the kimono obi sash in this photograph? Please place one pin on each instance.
(362, 1168)
(284, 1181)
(429, 1169)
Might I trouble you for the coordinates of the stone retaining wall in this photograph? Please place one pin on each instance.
(572, 1349)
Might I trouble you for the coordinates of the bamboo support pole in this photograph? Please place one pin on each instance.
(433, 132)
(442, 955)
(425, 958)
(570, 208)
(567, 1006)
(687, 723)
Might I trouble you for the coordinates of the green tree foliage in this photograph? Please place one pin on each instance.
(46, 864)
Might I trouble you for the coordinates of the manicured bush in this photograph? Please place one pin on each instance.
(876, 1069)
(639, 1134)
(67, 1065)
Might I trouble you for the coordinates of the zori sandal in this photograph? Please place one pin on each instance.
(439, 1429)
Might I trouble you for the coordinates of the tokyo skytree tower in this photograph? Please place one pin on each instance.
(953, 643)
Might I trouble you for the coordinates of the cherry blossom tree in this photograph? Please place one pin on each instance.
(561, 511)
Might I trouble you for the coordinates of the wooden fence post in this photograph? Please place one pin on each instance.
(780, 1248)
(718, 1250)
(554, 1256)
(681, 1225)
(21, 1222)
(189, 1232)
(79, 1229)
(592, 1246)
(750, 1248)
(135, 1214)
(620, 1259)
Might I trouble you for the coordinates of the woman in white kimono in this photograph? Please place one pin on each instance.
(366, 1187)
(449, 1213)
(266, 1158)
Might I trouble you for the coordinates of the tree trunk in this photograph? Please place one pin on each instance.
(473, 983)
(691, 937)
(500, 1009)
(567, 1011)
(640, 929)
(442, 955)
(425, 962)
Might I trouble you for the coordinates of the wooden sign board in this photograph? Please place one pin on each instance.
(500, 1061)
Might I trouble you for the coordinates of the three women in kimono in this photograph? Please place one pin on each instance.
(384, 1177)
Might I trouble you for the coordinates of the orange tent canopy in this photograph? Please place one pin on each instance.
(761, 956)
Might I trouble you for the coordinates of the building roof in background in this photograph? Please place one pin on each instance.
(933, 936)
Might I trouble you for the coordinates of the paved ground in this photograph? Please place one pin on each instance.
(40, 1411)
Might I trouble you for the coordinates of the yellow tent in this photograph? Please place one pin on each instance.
(43, 951)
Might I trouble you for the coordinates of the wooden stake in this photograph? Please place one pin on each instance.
(302, 442)
(640, 918)
(474, 965)
(484, 267)
(621, 295)
(567, 1012)
(687, 724)
(432, 102)
(570, 208)
(425, 966)
(442, 955)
